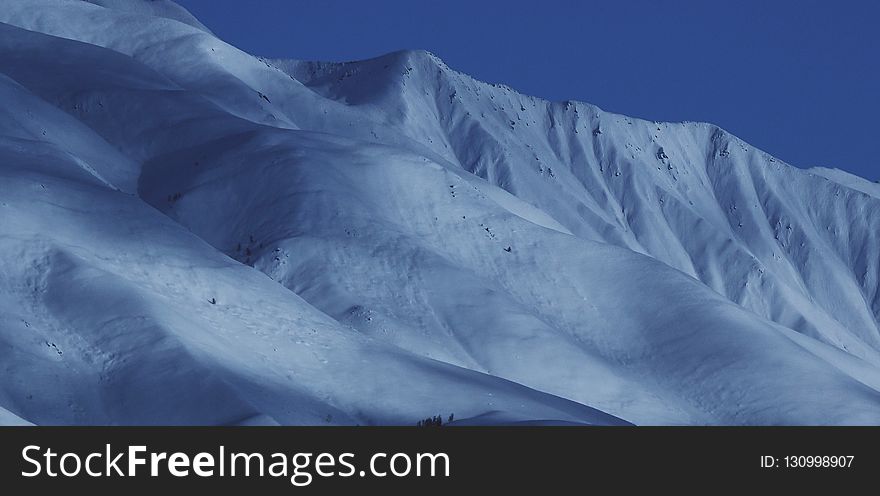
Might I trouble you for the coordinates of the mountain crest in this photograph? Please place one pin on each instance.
(197, 235)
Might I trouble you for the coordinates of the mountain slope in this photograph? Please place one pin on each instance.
(432, 244)
(157, 8)
(114, 314)
(760, 232)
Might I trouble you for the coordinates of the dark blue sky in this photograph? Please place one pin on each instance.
(797, 78)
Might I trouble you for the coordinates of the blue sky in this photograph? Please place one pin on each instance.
(797, 78)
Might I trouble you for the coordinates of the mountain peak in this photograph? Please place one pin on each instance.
(194, 236)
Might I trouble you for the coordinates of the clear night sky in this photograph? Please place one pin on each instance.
(797, 78)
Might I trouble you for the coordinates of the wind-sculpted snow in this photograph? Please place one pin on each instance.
(788, 245)
(158, 8)
(387, 240)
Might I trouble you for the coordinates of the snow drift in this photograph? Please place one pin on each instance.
(194, 235)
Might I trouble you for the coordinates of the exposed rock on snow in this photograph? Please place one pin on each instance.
(192, 234)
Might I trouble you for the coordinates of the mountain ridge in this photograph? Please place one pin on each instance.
(719, 144)
(356, 243)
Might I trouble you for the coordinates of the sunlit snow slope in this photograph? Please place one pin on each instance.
(193, 235)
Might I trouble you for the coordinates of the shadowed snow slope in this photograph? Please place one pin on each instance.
(194, 235)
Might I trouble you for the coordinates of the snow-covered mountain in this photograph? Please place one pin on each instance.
(192, 234)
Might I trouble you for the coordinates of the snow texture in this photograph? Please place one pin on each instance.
(195, 235)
